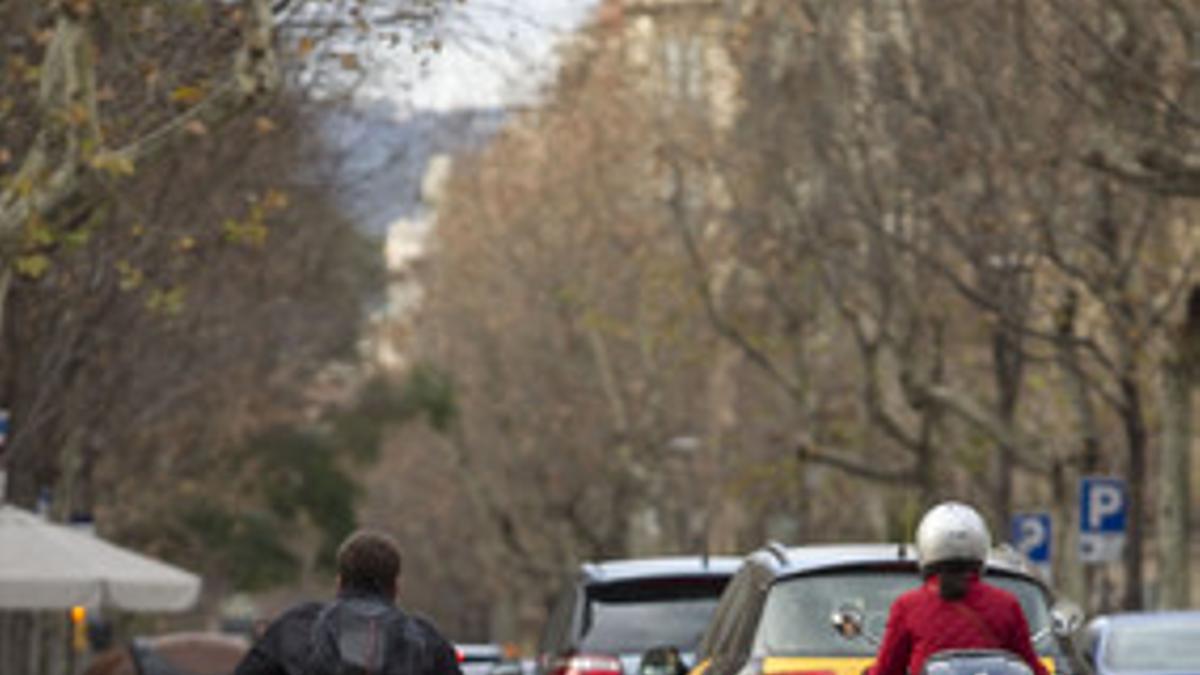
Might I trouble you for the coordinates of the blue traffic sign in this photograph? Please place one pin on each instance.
(1032, 535)
(1102, 505)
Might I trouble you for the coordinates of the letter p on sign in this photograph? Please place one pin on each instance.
(1103, 505)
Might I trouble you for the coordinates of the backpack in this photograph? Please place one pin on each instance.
(359, 636)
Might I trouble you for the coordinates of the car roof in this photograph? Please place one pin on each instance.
(785, 562)
(480, 649)
(647, 568)
(1132, 618)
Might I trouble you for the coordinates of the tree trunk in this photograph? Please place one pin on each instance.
(1133, 419)
(1178, 379)
(1007, 363)
(1079, 586)
(1174, 471)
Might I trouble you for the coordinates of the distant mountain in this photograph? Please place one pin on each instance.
(384, 154)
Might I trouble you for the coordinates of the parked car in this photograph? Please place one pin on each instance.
(1144, 643)
(610, 613)
(780, 611)
(486, 658)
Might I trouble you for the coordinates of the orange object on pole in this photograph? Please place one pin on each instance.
(79, 637)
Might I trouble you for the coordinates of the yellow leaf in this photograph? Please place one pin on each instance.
(24, 186)
(186, 243)
(187, 95)
(77, 238)
(38, 232)
(131, 277)
(306, 46)
(116, 163)
(264, 125)
(169, 302)
(275, 200)
(33, 266)
(77, 115)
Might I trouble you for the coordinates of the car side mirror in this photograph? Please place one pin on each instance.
(663, 660)
(848, 622)
(1066, 617)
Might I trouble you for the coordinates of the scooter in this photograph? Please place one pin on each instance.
(975, 662)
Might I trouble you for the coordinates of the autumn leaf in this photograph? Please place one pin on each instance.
(77, 238)
(305, 46)
(116, 163)
(169, 302)
(186, 243)
(195, 128)
(349, 61)
(151, 74)
(42, 37)
(38, 232)
(33, 266)
(80, 8)
(275, 200)
(187, 95)
(131, 277)
(5, 156)
(77, 115)
(264, 125)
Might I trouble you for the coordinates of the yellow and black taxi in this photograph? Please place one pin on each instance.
(777, 615)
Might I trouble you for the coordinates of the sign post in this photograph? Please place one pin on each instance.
(1033, 536)
(3, 446)
(1103, 502)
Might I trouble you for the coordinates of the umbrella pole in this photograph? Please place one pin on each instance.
(35, 643)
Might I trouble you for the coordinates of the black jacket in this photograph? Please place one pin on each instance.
(310, 640)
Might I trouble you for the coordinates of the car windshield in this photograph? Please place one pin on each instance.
(635, 616)
(1172, 646)
(796, 618)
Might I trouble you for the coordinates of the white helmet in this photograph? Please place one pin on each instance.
(952, 531)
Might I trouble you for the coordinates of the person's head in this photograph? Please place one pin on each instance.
(369, 562)
(952, 543)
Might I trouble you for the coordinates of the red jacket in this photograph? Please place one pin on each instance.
(921, 623)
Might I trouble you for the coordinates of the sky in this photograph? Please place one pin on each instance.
(494, 53)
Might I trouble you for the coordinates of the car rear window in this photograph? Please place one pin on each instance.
(1171, 645)
(796, 617)
(633, 616)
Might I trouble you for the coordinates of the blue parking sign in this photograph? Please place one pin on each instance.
(1032, 534)
(1103, 503)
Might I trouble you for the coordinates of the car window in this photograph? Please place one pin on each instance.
(1158, 646)
(796, 618)
(634, 616)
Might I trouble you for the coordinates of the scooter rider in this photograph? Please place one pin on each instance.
(953, 608)
(362, 631)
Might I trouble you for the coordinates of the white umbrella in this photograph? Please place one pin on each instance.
(48, 566)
